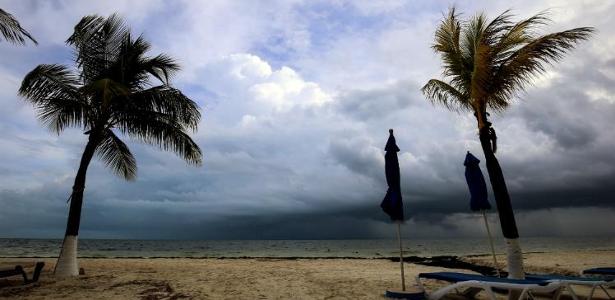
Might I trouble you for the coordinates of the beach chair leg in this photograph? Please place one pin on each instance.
(523, 294)
(572, 293)
(23, 274)
(419, 283)
(490, 293)
(37, 272)
(558, 293)
(591, 292)
(471, 292)
(606, 292)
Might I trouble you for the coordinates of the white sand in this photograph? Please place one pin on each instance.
(564, 262)
(221, 279)
(255, 278)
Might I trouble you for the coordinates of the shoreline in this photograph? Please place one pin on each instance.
(409, 258)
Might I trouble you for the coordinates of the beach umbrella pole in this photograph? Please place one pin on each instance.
(495, 260)
(401, 257)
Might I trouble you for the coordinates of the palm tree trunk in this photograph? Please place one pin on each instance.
(504, 206)
(67, 261)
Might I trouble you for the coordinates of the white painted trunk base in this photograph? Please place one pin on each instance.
(515, 259)
(67, 262)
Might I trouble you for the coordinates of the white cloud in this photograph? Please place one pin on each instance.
(378, 7)
(248, 67)
(247, 84)
(600, 95)
(285, 89)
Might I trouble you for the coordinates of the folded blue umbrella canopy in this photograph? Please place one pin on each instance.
(478, 196)
(392, 203)
(476, 184)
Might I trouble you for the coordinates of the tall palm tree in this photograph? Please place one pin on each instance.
(12, 31)
(112, 92)
(485, 65)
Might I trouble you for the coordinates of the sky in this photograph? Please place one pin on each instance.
(297, 98)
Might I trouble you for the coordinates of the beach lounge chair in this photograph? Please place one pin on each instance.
(474, 283)
(602, 272)
(594, 283)
(19, 271)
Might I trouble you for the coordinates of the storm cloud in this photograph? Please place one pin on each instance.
(297, 100)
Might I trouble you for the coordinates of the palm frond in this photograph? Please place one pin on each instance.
(103, 91)
(134, 68)
(517, 72)
(12, 31)
(497, 28)
(47, 81)
(471, 37)
(60, 113)
(440, 92)
(447, 45)
(117, 156)
(97, 42)
(162, 67)
(127, 68)
(517, 35)
(475, 45)
(52, 89)
(160, 130)
(166, 100)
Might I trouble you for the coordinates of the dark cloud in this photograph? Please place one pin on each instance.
(356, 155)
(567, 113)
(380, 102)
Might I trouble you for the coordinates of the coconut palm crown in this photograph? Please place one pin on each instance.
(485, 65)
(116, 90)
(488, 63)
(12, 31)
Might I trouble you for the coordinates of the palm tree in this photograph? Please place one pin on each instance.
(12, 31)
(486, 64)
(112, 92)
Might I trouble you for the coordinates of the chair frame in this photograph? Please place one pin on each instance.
(19, 270)
(527, 290)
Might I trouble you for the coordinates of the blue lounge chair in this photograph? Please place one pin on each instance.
(573, 280)
(604, 272)
(475, 283)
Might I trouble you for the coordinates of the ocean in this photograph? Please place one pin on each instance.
(99, 248)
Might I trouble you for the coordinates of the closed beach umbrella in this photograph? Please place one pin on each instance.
(476, 184)
(392, 203)
(478, 195)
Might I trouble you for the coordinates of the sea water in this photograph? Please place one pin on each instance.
(291, 248)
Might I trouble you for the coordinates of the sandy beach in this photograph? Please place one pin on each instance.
(565, 262)
(180, 278)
